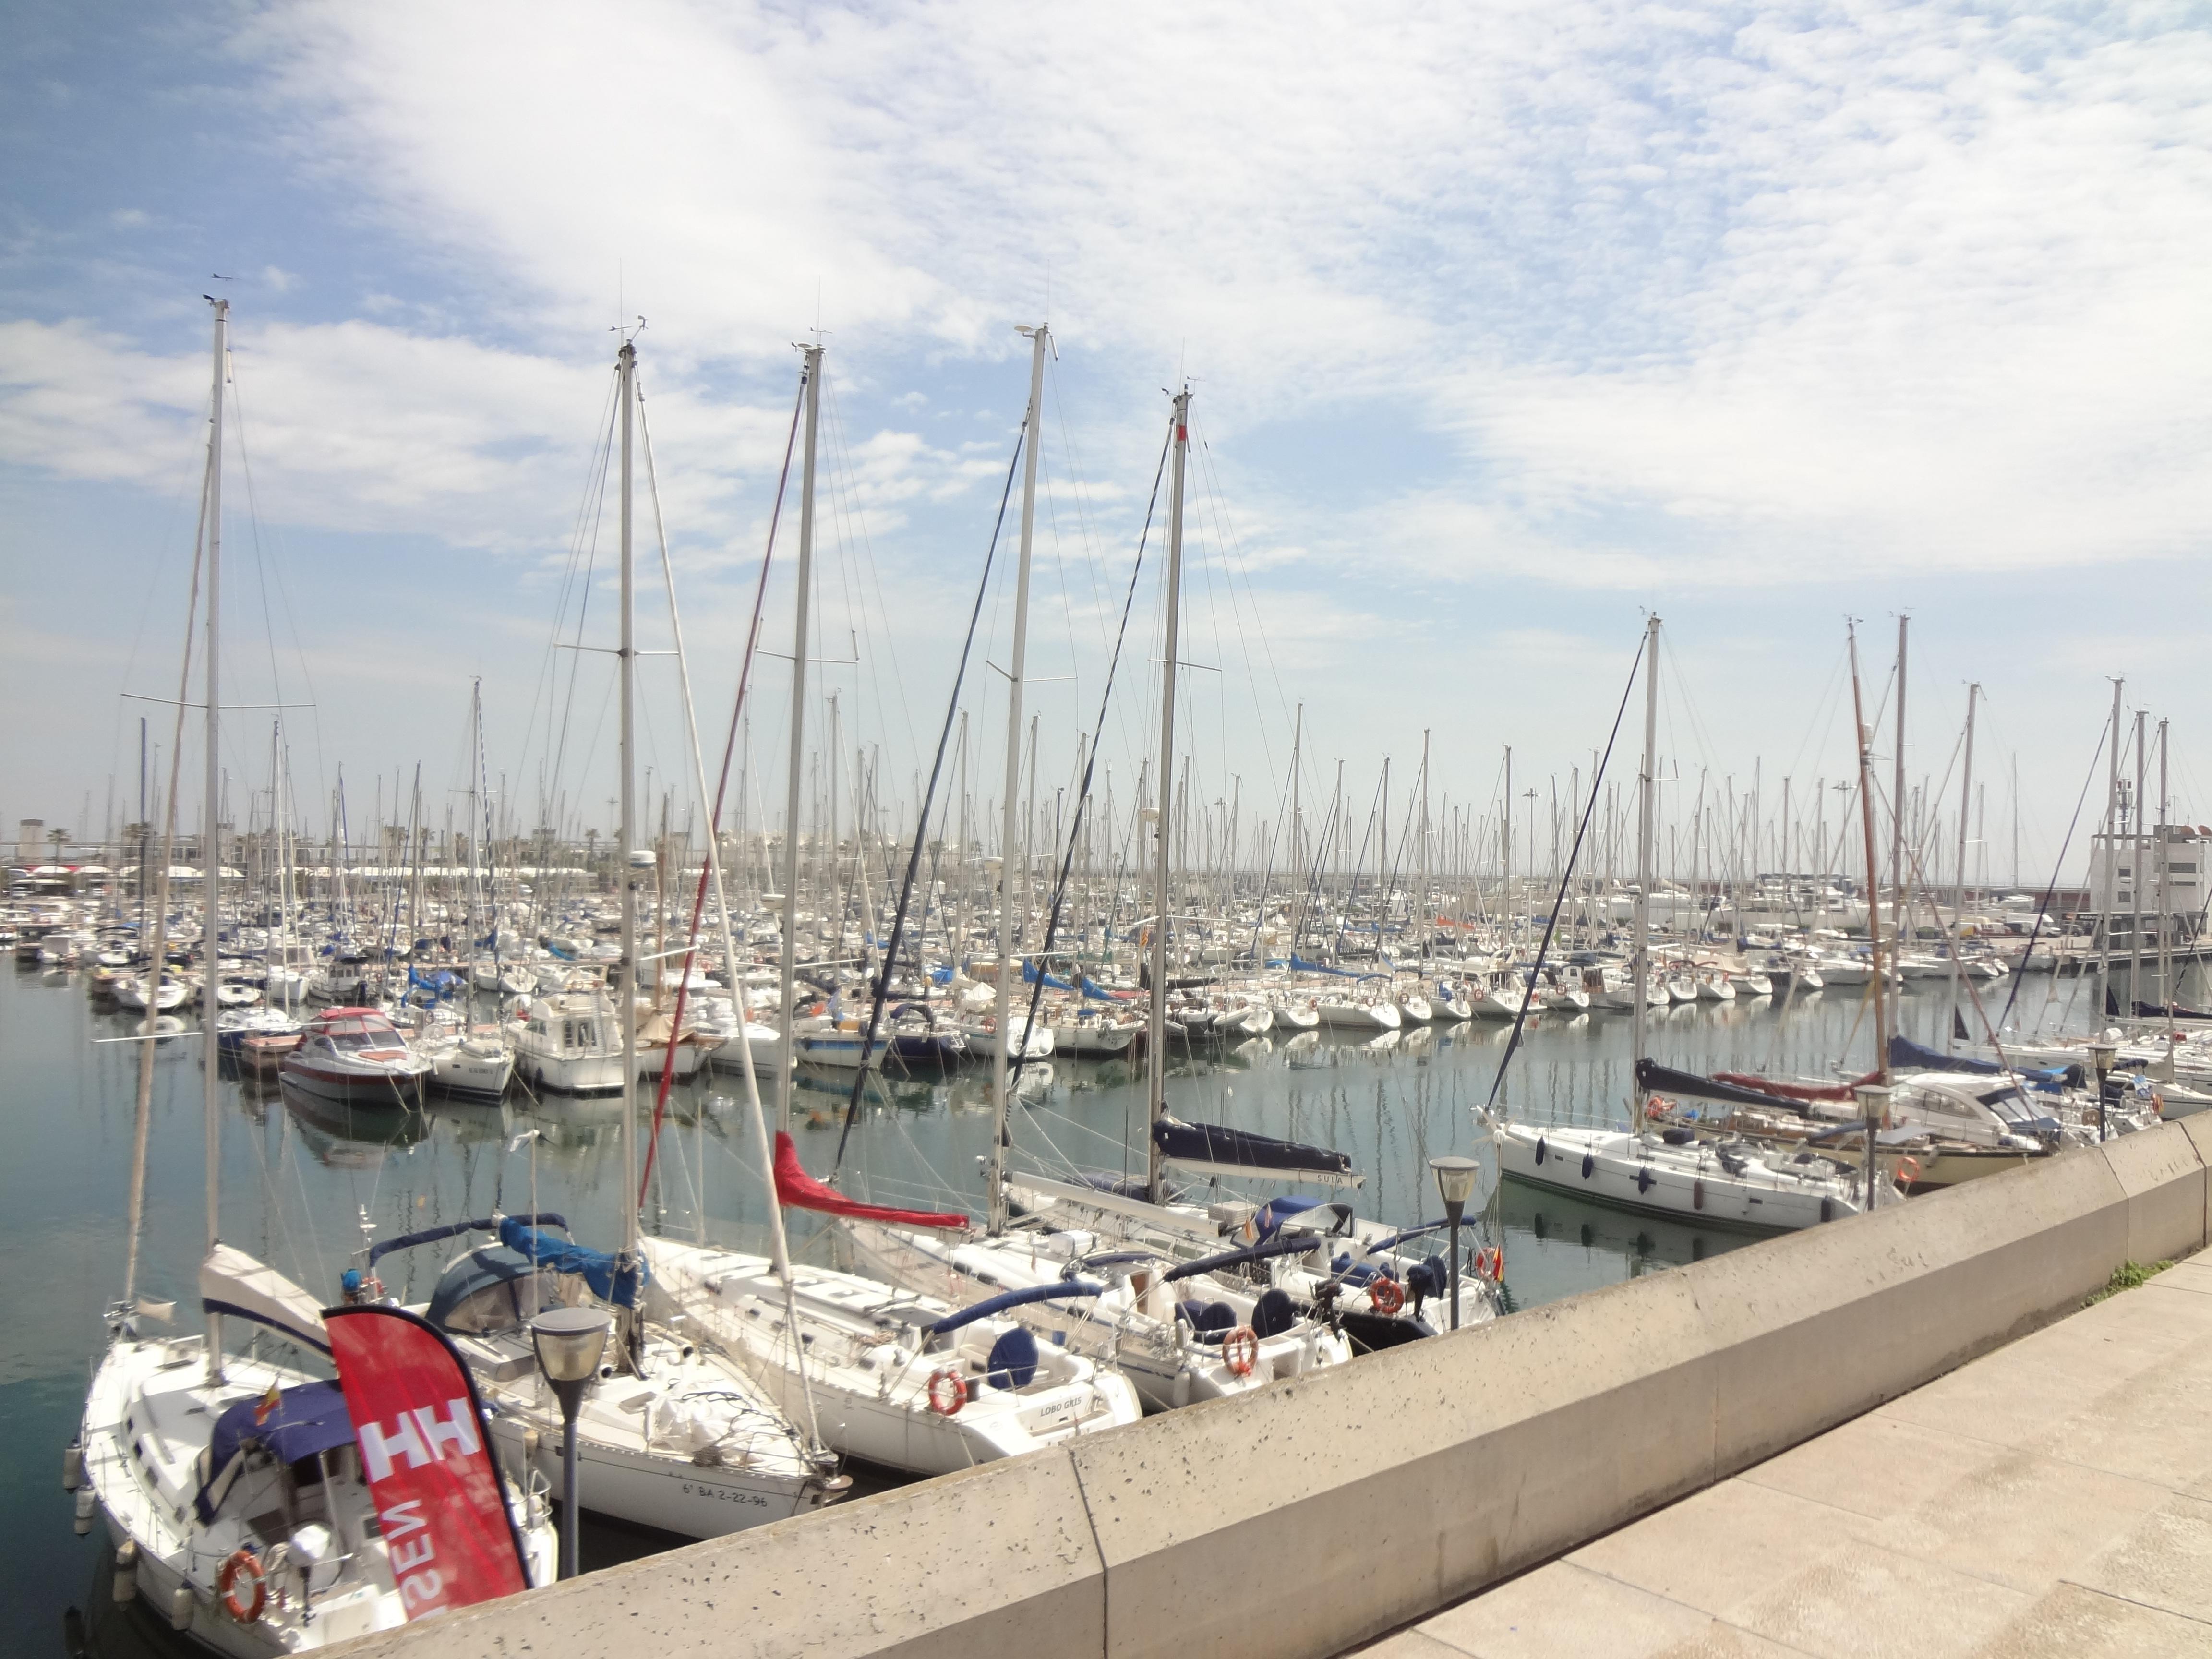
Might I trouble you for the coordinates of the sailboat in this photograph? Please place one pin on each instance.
(678, 1436)
(906, 1381)
(1183, 1318)
(1671, 1171)
(231, 1485)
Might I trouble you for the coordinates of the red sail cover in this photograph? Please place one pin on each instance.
(439, 1508)
(795, 1189)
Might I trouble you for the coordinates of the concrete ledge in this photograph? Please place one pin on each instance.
(993, 1563)
(1326, 1511)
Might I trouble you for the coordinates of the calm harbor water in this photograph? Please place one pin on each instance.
(299, 1177)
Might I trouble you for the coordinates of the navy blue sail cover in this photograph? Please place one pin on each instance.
(307, 1419)
(1217, 1144)
(610, 1280)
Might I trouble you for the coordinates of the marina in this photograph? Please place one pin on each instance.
(831, 1213)
(941, 834)
(301, 1170)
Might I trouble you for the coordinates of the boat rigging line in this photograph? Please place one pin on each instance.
(1566, 876)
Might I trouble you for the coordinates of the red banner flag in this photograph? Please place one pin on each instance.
(439, 1507)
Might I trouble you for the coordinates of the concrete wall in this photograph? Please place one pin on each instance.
(1324, 1510)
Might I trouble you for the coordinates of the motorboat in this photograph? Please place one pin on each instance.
(571, 1043)
(356, 1056)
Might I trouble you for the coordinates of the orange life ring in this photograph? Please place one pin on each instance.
(948, 1393)
(1911, 1179)
(1240, 1350)
(1655, 1107)
(242, 1564)
(1387, 1294)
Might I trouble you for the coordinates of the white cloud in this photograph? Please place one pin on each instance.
(1888, 288)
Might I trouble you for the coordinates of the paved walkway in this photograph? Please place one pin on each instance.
(2053, 1497)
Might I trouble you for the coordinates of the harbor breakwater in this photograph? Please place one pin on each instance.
(1334, 1507)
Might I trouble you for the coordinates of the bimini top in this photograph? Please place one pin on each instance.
(491, 1290)
(304, 1420)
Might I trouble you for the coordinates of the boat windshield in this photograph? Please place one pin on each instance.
(2011, 1104)
(354, 1034)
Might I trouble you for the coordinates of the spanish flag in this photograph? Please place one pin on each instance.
(266, 1407)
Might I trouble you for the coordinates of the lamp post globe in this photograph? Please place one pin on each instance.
(2102, 1052)
(1454, 1185)
(1874, 1111)
(569, 1343)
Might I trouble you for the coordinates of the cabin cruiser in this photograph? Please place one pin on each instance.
(356, 1056)
(571, 1043)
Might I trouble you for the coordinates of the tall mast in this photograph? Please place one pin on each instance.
(787, 975)
(2105, 898)
(1959, 891)
(1039, 337)
(2135, 849)
(1506, 846)
(1156, 1042)
(2165, 897)
(1646, 799)
(211, 836)
(1874, 886)
(626, 851)
(1421, 917)
(1896, 828)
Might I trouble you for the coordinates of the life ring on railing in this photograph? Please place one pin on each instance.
(1489, 1264)
(1655, 1107)
(242, 1564)
(948, 1393)
(1240, 1349)
(1387, 1294)
(1908, 1172)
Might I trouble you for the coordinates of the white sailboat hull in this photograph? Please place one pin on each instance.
(1612, 1166)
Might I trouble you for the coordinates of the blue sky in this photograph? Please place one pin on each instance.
(1504, 325)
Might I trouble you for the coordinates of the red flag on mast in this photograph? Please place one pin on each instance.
(441, 1511)
(795, 1189)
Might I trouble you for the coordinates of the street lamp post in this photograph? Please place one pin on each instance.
(569, 1342)
(2101, 1055)
(1874, 1111)
(1454, 1185)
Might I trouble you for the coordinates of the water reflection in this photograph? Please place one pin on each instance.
(300, 1176)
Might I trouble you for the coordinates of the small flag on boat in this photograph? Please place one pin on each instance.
(266, 1407)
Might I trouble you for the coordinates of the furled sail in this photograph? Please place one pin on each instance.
(795, 1189)
(1215, 1149)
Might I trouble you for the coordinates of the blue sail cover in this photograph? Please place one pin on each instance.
(307, 1419)
(1063, 1291)
(1216, 1147)
(1905, 1053)
(610, 1281)
(1030, 977)
(1305, 967)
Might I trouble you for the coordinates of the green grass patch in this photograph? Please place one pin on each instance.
(2128, 1276)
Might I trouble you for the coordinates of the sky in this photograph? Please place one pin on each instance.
(1504, 327)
